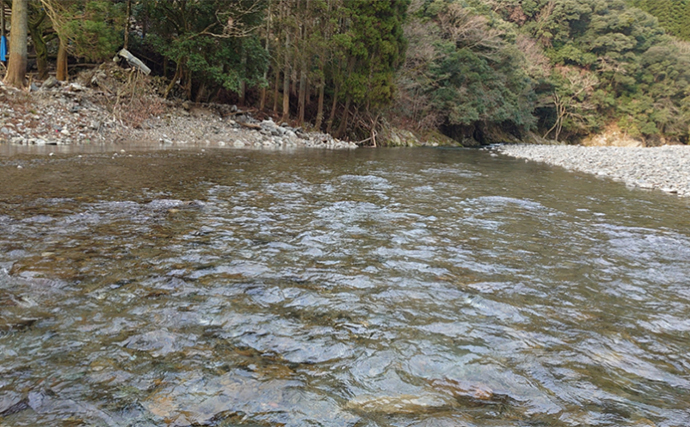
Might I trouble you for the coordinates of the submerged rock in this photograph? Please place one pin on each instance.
(400, 404)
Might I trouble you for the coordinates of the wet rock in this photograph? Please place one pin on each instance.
(158, 343)
(401, 404)
(211, 400)
(11, 403)
(468, 391)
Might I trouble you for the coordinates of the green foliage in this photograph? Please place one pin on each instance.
(610, 63)
(673, 15)
(95, 29)
(374, 43)
(92, 29)
(209, 40)
(464, 70)
(567, 68)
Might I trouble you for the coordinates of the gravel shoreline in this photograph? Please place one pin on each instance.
(86, 112)
(664, 168)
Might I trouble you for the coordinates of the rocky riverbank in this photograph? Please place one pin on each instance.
(665, 168)
(112, 105)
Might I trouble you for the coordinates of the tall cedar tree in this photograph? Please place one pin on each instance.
(16, 70)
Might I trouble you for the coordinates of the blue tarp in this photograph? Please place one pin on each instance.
(3, 48)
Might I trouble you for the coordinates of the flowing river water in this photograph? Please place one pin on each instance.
(409, 287)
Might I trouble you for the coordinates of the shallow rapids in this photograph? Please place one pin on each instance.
(308, 288)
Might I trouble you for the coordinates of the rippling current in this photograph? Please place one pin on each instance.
(310, 288)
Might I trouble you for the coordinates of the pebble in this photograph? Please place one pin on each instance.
(665, 168)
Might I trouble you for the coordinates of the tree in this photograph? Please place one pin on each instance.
(374, 44)
(41, 33)
(465, 75)
(86, 29)
(212, 43)
(16, 70)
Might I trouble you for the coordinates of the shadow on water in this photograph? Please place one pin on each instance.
(423, 287)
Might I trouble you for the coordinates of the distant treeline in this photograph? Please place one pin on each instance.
(476, 70)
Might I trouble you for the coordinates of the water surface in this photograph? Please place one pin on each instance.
(369, 288)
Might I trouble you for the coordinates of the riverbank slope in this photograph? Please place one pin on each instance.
(111, 105)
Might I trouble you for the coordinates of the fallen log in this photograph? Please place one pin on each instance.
(134, 61)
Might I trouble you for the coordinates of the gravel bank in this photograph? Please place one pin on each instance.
(665, 168)
(99, 108)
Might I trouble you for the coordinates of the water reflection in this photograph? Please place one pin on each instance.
(367, 288)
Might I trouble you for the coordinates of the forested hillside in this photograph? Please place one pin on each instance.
(673, 15)
(478, 71)
(577, 67)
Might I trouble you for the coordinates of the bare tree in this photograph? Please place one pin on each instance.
(55, 11)
(468, 29)
(573, 97)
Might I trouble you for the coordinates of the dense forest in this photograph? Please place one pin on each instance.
(477, 71)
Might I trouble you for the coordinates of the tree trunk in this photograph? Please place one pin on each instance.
(302, 94)
(346, 115)
(16, 69)
(173, 82)
(188, 85)
(243, 83)
(276, 87)
(40, 47)
(319, 112)
(129, 15)
(331, 116)
(286, 81)
(61, 73)
(41, 55)
(201, 93)
(262, 103)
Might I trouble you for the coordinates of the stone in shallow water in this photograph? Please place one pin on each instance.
(400, 404)
(201, 399)
(11, 403)
(158, 343)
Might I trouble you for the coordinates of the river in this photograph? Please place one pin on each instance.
(401, 287)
